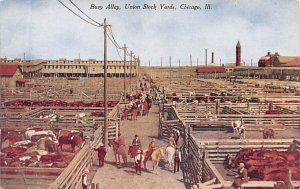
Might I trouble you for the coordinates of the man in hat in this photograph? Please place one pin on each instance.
(138, 159)
(241, 177)
(136, 141)
(84, 179)
(101, 154)
(151, 148)
(177, 159)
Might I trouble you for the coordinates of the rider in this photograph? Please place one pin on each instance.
(121, 140)
(136, 141)
(151, 148)
(172, 141)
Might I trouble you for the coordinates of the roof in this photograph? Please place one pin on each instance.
(238, 44)
(210, 69)
(8, 69)
(288, 61)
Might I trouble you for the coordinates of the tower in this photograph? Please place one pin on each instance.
(238, 54)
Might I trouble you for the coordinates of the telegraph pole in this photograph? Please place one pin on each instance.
(170, 69)
(130, 70)
(125, 73)
(105, 83)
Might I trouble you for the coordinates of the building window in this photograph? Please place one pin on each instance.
(127, 67)
(93, 69)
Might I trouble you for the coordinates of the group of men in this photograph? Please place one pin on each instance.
(140, 157)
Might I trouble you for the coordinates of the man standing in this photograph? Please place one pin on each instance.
(84, 178)
(177, 159)
(138, 159)
(101, 154)
(241, 177)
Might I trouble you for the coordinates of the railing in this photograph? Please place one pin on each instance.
(192, 157)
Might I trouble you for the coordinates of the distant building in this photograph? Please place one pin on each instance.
(275, 60)
(74, 68)
(210, 69)
(9, 74)
(287, 61)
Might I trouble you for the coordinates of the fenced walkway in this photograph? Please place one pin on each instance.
(112, 177)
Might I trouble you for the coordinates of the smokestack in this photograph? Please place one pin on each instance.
(205, 57)
(238, 54)
(212, 57)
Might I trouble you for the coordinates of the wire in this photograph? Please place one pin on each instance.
(115, 46)
(112, 35)
(85, 13)
(78, 15)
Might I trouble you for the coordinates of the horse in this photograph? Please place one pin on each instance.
(155, 157)
(118, 151)
(268, 133)
(170, 151)
(133, 150)
(74, 140)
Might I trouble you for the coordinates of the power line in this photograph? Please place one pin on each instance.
(111, 32)
(115, 46)
(85, 13)
(78, 15)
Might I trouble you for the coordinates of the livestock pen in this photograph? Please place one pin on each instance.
(203, 158)
(68, 177)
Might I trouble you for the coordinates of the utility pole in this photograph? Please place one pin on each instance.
(205, 57)
(191, 60)
(170, 69)
(105, 25)
(180, 72)
(130, 70)
(161, 65)
(125, 73)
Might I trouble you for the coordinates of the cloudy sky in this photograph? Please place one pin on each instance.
(44, 29)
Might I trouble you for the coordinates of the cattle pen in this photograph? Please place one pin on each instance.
(201, 108)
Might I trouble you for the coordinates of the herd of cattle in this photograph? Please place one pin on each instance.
(37, 147)
(269, 165)
(58, 103)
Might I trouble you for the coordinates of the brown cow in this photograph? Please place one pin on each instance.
(72, 140)
(268, 133)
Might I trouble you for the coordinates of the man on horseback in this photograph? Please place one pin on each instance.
(135, 146)
(136, 141)
(121, 140)
(171, 141)
(151, 148)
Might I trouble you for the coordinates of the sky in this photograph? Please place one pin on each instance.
(44, 29)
